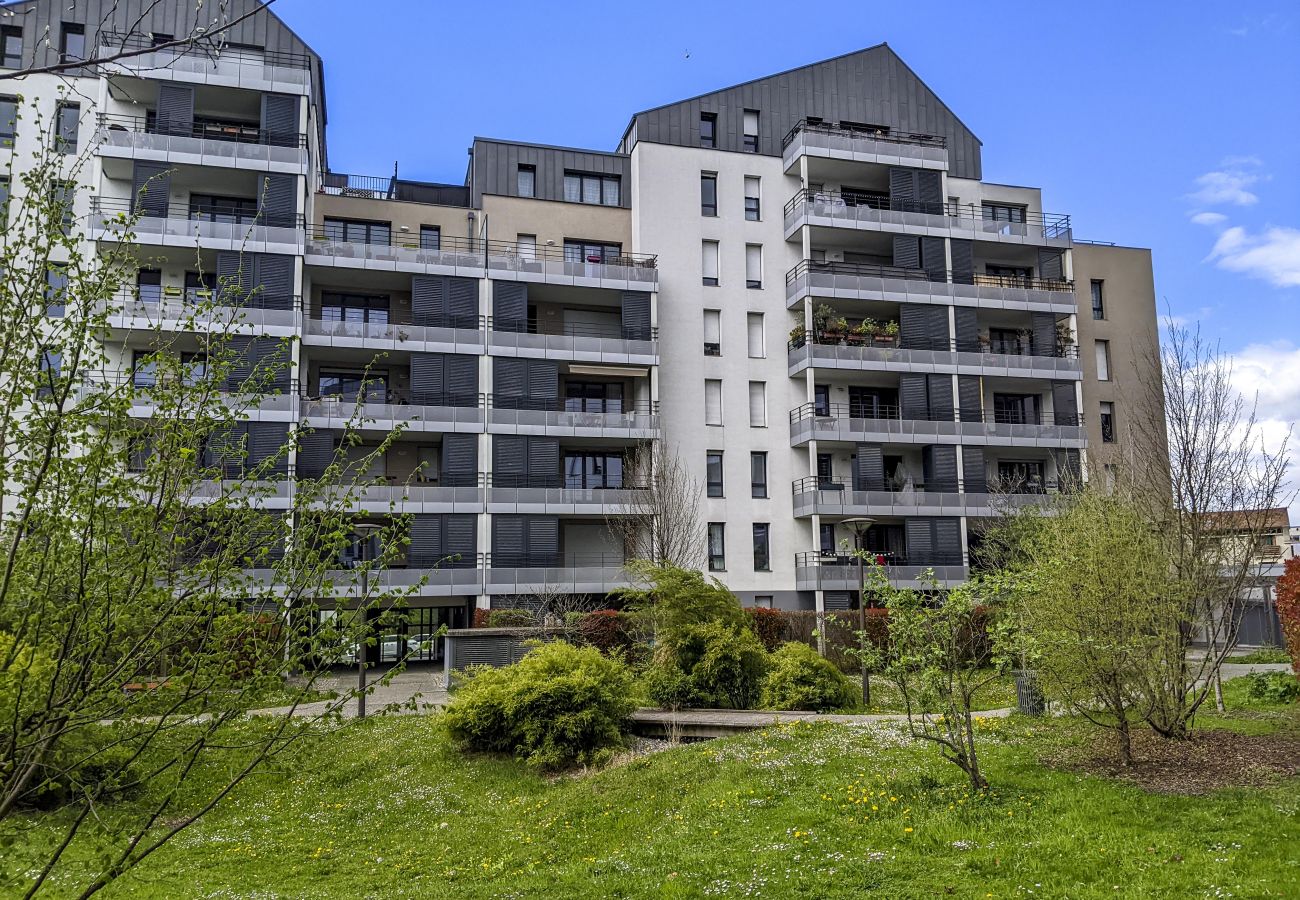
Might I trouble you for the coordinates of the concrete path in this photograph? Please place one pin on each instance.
(411, 691)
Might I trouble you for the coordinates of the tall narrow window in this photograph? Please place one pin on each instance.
(713, 479)
(8, 121)
(1107, 422)
(527, 244)
(708, 129)
(527, 181)
(430, 237)
(62, 196)
(4, 199)
(758, 475)
(712, 401)
(11, 47)
(753, 265)
(750, 142)
(752, 202)
(709, 262)
(712, 332)
(757, 341)
(66, 123)
(762, 547)
(1098, 301)
(708, 193)
(56, 289)
(1103, 360)
(758, 404)
(717, 547)
(72, 42)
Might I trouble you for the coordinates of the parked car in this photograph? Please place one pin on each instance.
(424, 646)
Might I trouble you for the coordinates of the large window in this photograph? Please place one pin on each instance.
(758, 475)
(66, 123)
(352, 385)
(526, 181)
(72, 42)
(762, 547)
(229, 210)
(359, 231)
(713, 478)
(1098, 301)
(11, 47)
(601, 469)
(1002, 212)
(717, 547)
(1015, 409)
(708, 129)
(752, 198)
(593, 396)
(335, 307)
(584, 187)
(750, 141)
(1108, 422)
(591, 252)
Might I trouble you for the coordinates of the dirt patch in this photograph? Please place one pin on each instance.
(1211, 760)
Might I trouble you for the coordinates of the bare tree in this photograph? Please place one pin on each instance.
(662, 525)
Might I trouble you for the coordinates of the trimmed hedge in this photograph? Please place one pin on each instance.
(801, 680)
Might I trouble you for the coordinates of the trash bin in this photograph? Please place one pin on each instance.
(1029, 697)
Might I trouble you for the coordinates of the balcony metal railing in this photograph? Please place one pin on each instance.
(227, 132)
(983, 346)
(438, 329)
(574, 406)
(110, 212)
(392, 397)
(157, 304)
(866, 270)
(565, 483)
(557, 560)
(611, 332)
(484, 250)
(888, 558)
(842, 204)
(841, 410)
(812, 484)
(864, 131)
(208, 47)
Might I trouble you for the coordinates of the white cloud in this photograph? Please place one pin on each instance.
(1268, 376)
(1208, 218)
(1273, 254)
(1229, 183)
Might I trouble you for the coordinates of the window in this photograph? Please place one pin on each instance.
(4, 200)
(593, 396)
(56, 289)
(200, 286)
(763, 601)
(708, 193)
(357, 231)
(712, 332)
(72, 42)
(712, 401)
(527, 181)
(583, 187)
(1098, 301)
(1103, 360)
(757, 342)
(758, 404)
(52, 366)
(1107, 422)
(762, 547)
(758, 475)
(337, 307)
(594, 469)
(144, 368)
(1001, 212)
(708, 129)
(753, 265)
(228, 210)
(752, 208)
(148, 286)
(11, 47)
(595, 252)
(430, 237)
(713, 481)
(66, 123)
(750, 143)
(527, 246)
(369, 387)
(63, 195)
(709, 262)
(717, 547)
(8, 121)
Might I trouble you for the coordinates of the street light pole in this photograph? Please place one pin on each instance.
(860, 526)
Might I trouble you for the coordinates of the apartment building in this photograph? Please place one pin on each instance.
(801, 284)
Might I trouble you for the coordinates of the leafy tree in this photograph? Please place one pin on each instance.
(671, 599)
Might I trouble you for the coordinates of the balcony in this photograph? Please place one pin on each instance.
(863, 144)
(232, 144)
(874, 211)
(569, 418)
(579, 342)
(173, 309)
(207, 61)
(451, 412)
(389, 495)
(835, 497)
(183, 227)
(573, 573)
(562, 496)
(269, 406)
(450, 336)
(860, 352)
(371, 187)
(857, 281)
(404, 252)
(859, 423)
(815, 571)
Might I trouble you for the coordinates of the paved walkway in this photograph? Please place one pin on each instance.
(414, 690)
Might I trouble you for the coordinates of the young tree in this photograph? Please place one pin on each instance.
(662, 525)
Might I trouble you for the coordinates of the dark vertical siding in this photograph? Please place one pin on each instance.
(496, 167)
(974, 472)
(868, 468)
(509, 306)
(459, 459)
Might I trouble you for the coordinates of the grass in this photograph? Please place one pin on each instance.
(388, 808)
(1261, 656)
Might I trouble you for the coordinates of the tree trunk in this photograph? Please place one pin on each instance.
(1125, 743)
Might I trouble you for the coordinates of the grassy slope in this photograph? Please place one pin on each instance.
(388, 809)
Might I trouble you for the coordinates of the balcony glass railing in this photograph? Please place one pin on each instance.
(832, 270)
(209, 130)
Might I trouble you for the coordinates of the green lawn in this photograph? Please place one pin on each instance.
(388, 809)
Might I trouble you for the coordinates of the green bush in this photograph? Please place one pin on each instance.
(558, 707)
(801, 679)
(668, 687)
(511, 618)
(1273, 687)
(726, 664)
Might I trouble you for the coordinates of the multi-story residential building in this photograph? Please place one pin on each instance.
(802, 284)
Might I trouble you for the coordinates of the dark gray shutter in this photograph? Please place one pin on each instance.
(224, 448)
(929, 192)
(175, 108)
(509, 460)
(907, 251)
(934, 258)
(1069, 471)
(1051, 264)
(939, 467)
(913, 326)
(544, 541)
(428, 382)
(315, 452)
(1064, 409)
(919, 540)
(1043, 329)
(151, 188)
(636, 316)
(265, 441)
(461, 373)
(938, 389)
(243, 357)
(425, 549)
(836, 601)
(902, 189)
(938, 328)
(913, 396)
(461, 302)
(459, 459)
(543, 382)
(267, 531)
(274, 275)
(509, 543)
(509, 381)
(234, 277)
(869, 468)
(271, 357)
(460, 541)
(968, 398)
(280, 120)
(277, 199)
(974, 473)
(544, 462)
(509, 306)
(968, 330)
(428, 299)
(963, 261)
(946, 542)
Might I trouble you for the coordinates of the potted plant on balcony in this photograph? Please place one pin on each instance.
(888, 333)
(823, 316)
(862, 332)
(835, 331)
(798, 336)
(1064, 339)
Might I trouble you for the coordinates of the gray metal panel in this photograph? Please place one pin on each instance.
(907, 251)
(509, 460)
(1064, 408)
(871, 85)
(460, 541)
(509, 379)
(265, 441)
(274, 274)
(175, 108)
(234, 278)
(428, 374)
(273, 365)
(963, 261)
(151, 187)
(495, 169)
(947, 539)
(280, 120)
(868, 468)
(968, 331)
(937, 327)
(902, 188)
(509, 541)
(1051, 264)
(315, 452)
(919, 537)
(1043, 329)
(939, 465)
(969, 398)
(938, 389)
(243, 357)
(426, 539)
(277, 197)
(459, 459)
(974, 472)
(914, 326)
(913, 396)
(934, 258)
(543, 379)
(428, 299)
(543, 534)
(462, 302)
(636, 316)
(543, 461)
(462, 380)
(1069, 471)
(510, 306)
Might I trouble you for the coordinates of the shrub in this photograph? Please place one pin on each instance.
(557, 707)
(1287, 603)
(605, 629)
(668, 687)
(675, 600)
(1273, 687)
(480, 617)
(726, 665)
(801, 679)
(511, 618)
(770, 626)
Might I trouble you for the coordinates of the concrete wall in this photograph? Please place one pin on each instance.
(549, 220)
(454, 221)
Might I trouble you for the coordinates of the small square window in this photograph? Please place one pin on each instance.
(11, 47)
(72, 42)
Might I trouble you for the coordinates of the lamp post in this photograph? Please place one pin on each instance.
(364, 531)
(859, 526)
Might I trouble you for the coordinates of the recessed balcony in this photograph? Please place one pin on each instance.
(574, 417)
(564, 495)
(839, 498)
(205, 61)
(860, 281)
(385, 410)
(858, 350)
(864, 423)
(815, 571)
(205, 143)
(180, 224)
(864, 144)
(168, 308)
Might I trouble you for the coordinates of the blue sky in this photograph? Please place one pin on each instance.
(1133, 117)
